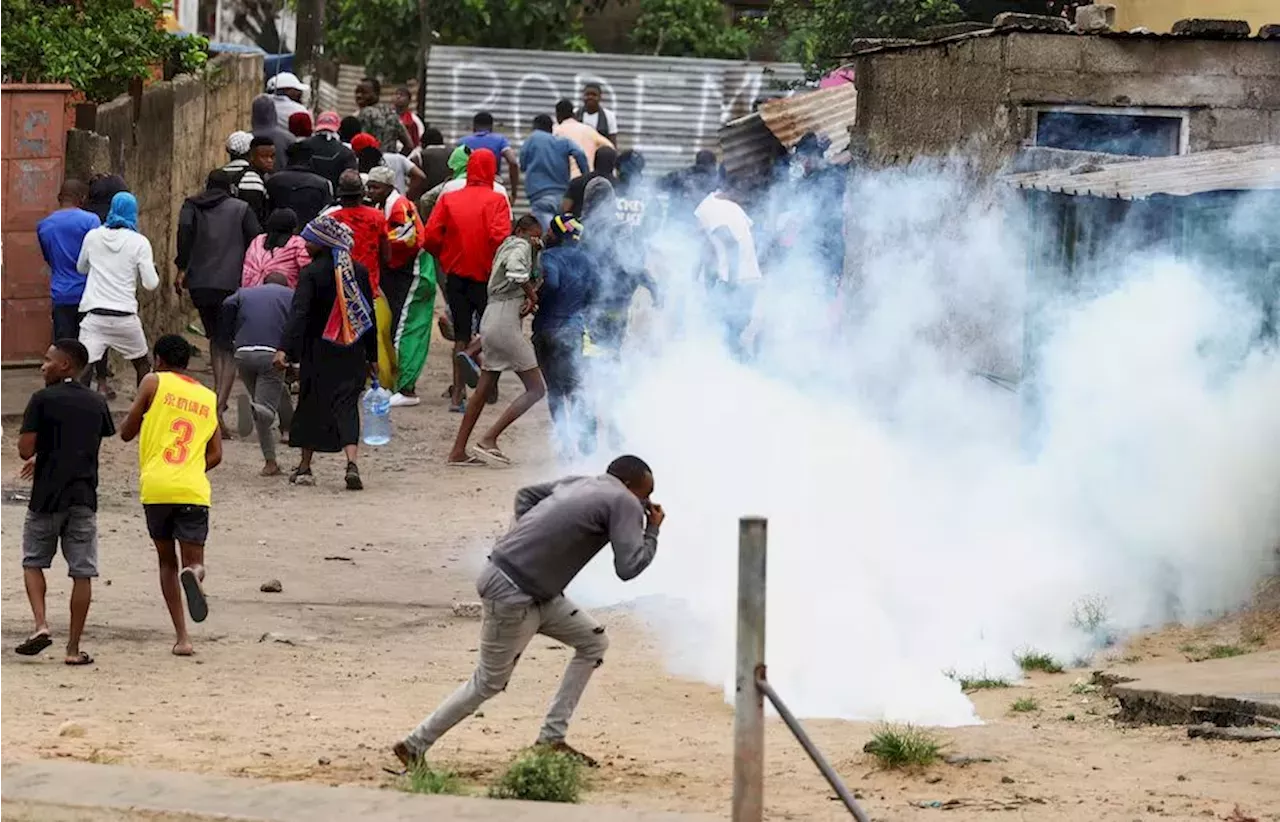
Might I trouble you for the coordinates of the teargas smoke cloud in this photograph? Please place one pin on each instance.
(919, 523)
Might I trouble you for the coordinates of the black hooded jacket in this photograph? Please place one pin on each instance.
(214, 231)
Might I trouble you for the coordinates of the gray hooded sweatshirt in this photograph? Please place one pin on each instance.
(265, 124)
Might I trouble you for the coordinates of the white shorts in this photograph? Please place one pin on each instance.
(98, 332)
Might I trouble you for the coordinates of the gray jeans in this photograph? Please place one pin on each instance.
(510, 621)
(267, 395)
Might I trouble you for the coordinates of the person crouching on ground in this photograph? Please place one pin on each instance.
(62, 430)
(559, 527)
(503, 345)
(257, 317)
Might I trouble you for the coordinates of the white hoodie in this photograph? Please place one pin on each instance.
(114, 259)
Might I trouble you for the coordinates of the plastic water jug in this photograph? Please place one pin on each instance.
(375, 407)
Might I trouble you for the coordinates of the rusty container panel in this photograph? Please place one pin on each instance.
(33, 146)
(34, 121)
(30, 191)
(26, 277)
(28, 329)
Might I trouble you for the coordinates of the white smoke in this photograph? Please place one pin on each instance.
(918, 521)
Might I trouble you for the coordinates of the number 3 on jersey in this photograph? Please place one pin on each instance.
(177, 453)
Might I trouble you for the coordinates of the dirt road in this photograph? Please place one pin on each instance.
(314, 683)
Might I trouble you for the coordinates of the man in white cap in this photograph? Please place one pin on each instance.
(286, 89)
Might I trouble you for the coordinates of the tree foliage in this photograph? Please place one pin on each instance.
(689, 28)
(97, 46)
(382, 35)
(818, 33)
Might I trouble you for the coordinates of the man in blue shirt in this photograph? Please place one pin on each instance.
(61, 234)
(485, 137)
(544, 159)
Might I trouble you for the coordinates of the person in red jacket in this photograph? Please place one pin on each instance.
(464, 232)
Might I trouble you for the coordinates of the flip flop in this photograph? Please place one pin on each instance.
(470, 369)
(34, 645)
(469, 462)
(493, 456)
(82, 659)
(460, 408)
(196, 603)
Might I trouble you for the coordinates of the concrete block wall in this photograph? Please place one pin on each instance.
(179, 136)
(979, 93)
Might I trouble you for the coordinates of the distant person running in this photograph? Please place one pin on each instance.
(560, 526)
(178, 420)
(62, 429)
(115, 257)
(511, 298)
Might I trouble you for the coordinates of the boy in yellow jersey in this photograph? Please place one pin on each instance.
(178, 420)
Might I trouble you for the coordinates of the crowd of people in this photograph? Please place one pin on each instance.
(313, 257)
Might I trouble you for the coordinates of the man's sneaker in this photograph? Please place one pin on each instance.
(399, 400)
(565, 748)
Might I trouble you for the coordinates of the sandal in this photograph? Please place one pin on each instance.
(469, 462)
(81, 659)
(197, 605)
(470, 370)
(493, 456)
(300, 477)
(34, 645)
(354, 483)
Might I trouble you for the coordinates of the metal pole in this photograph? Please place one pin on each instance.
(748, 717)
(812, 750)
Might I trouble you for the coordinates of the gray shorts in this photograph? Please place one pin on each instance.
(77, 528)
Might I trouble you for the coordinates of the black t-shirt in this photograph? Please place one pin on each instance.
(69, 421)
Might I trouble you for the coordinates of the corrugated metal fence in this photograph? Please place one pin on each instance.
(668, 107)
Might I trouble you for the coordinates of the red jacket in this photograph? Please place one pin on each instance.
(468, 225)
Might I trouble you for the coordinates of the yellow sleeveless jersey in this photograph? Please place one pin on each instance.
(175, 430)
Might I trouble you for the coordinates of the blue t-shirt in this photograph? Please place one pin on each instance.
(61, 234)
(487, 139)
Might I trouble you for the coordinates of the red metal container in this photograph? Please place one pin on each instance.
(34, 145)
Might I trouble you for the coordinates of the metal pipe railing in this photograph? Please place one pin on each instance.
(751, 687)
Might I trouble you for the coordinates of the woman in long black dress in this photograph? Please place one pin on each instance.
(331, 336)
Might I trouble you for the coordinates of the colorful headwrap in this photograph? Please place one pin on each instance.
(566, 228)
(352, 315)
(124, 211)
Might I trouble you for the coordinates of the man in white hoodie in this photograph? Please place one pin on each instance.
(114, 258)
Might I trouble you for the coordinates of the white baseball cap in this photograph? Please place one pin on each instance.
(284, 80)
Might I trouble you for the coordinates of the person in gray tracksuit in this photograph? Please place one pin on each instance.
(559, 527)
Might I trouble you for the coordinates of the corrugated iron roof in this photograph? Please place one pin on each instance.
(828, 112)
(1135, 34)
(1228, 169)
(749, 143)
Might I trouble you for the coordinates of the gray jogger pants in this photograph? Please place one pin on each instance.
(267, 395)
(506, 630)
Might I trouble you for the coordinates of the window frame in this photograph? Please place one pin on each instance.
(1183, 115)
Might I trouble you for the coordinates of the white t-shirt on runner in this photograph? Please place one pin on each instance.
(593, 119)
(715, 212)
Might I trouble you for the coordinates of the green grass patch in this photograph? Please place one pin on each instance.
(1025, 705)
(1036, 661)
(426, 779)
(541, 775)
(977, 682)
(896, 747)
(1224, 651)
(1083, 686)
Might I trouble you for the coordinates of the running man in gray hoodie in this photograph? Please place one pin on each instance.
(559, 527)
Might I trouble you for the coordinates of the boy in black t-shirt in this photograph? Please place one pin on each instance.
(61, 430)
